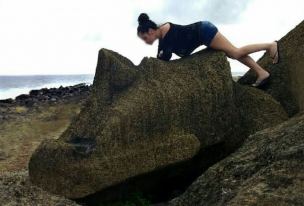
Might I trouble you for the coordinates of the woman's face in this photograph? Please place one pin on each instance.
(148, 37)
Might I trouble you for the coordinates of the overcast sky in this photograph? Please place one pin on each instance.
(64, 36)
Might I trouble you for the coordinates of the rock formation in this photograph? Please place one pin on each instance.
(149, 123)
(267, 170)
(286, 83)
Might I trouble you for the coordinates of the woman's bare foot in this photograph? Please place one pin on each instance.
(273, 52)
(261, 77)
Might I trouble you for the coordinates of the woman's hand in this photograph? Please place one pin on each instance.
(160, 53)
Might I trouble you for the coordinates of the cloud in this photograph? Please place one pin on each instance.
(64, 37)
(216, 11)
(224, 11)
(92, 37)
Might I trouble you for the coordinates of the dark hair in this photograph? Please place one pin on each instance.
(144, 23)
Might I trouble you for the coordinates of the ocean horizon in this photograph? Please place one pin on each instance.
(12, 86)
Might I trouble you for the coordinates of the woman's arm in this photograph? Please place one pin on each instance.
(164, 52)
(166, 55)
(160, 53)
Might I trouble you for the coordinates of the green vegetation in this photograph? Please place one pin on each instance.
(134, 199)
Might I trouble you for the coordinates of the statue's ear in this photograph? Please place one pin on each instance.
(114, 73)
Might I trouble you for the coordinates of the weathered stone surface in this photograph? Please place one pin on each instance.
(286, 83)
(144, 119)
(267, 170)
(17, 190)
(256, 109)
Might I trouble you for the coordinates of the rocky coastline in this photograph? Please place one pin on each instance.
(42, 96)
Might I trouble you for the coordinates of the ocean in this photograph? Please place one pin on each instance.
(12, 86)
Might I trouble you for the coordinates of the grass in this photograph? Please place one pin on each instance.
(20, 136)
(134, 199)
(20, 109)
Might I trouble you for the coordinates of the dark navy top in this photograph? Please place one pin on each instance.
(180, 39)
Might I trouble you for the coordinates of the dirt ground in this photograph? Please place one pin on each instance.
(19, 136)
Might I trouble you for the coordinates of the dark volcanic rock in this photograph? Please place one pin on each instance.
(267, 170)
(22, 97)
(286, 84)
(79, 91)
(7, 101)
(144, 125)
(35, 92)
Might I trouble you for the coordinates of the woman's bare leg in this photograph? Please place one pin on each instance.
(220, 42)
(248, 61)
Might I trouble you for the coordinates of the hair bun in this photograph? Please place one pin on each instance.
(143, 18)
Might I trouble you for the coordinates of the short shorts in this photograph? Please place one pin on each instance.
(208, 31)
